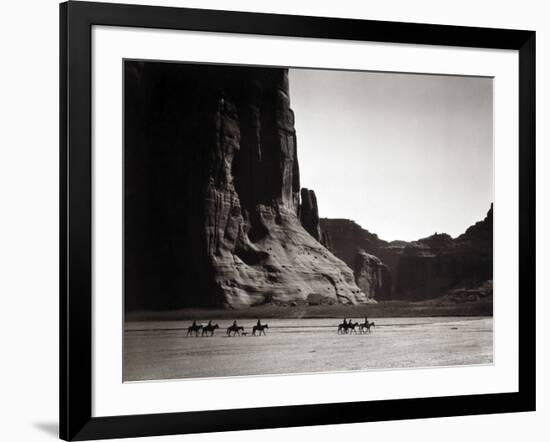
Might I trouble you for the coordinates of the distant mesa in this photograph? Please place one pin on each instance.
(480, 231)
(422, 269)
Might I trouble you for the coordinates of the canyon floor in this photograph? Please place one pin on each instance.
(161, 350)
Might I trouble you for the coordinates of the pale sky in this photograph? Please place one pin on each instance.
(402, 155)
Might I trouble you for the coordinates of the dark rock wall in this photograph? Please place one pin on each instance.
(371, 275)
(431, 266)
(346, 237)
(422, 269)
(212, 193)
(481, 231)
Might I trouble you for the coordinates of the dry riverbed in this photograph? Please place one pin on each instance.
(162, 349)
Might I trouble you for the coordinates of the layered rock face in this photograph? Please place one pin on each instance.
(346, 239)
(423, 269)
(431, 266)
(371, 275)
(212, 193)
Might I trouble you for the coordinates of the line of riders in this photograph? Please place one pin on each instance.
(232, 330)
(346, 327)
(349, 327)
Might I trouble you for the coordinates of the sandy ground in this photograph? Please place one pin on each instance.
(161, 350)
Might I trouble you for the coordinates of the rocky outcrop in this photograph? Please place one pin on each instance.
(436, 264)
(371, 275)
(346, 237)
(212, 193)
(309, 213)
(480, 231)
(422, 269)
(482, 292)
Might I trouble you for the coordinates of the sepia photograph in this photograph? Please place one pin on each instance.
(282, 220)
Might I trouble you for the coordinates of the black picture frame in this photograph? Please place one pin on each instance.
(76, 21)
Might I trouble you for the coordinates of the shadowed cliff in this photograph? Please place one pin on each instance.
(422, 269)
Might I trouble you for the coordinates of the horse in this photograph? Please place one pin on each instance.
(351, 327)
(195, 328)
(366, 326)
(259, 328)
(235, 329)
(344, 328)
(209, 329)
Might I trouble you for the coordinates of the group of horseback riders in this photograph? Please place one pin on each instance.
(348, 327)
(232, 330)
(207, 329)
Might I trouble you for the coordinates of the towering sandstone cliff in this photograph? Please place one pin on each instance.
(212, 193)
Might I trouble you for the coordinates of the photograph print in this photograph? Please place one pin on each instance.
(282, 220)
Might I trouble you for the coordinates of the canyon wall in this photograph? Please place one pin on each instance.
(372, 275)
(422, 269)
(213, 213)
